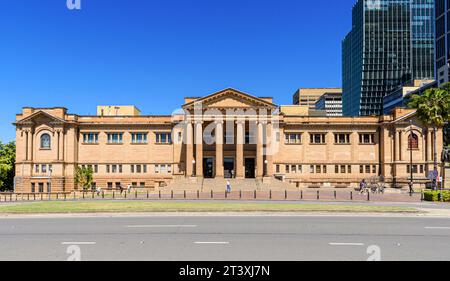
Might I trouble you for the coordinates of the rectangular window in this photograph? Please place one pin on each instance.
(341, 138)
(277, 169)
(36, 168)
(317, 138)
(115, 138)
(318, 169)
(44, 169)
(118, 184)
(336, 169)
(120, 169)
(342, 169)
(139, 138)
(114, 169)
(288, 169)
(144, 168)
(294, 169)
(300, 169)
(33, 188)
(41, 187)
(156, 169)
(142, 184)
(374, 169)
(134, 184)
(367, 169)
(110, 185)
(90, 138)
(132, 169)
(324, 169)
(108, 169)
(291, 138)
(361, 169)
(349, 169)
(95, 169)
(163, 138)
(311, 169)
(138, 169)
(367, 138)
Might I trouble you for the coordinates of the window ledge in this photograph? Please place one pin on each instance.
(114, 143)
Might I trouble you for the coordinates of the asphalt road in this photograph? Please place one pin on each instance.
(247, 238)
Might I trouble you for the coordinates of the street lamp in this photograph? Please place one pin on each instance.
(410, 142)
(193, 168)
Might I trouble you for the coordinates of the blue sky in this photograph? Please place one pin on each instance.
(152, 53)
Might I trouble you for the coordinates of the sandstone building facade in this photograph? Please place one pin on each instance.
(226, 134)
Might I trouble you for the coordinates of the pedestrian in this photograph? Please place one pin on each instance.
(362, 186)
(129, 188)
(411, 188)
(228, 186)
(121, 189)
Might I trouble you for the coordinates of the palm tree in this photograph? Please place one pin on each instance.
(433, 109)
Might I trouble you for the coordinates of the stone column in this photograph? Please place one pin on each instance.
(259, 151)
(396, 146)
(400, 140)
(199, 148)
(269, 149)
(189, 149)
(27, 147)
(240, 140)
(219, 150)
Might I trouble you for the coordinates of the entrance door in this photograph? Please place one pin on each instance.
(250, 168)
(228, 166)
(208, 168)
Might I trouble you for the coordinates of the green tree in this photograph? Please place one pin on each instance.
(84, 177)
(433, 109)
(7, 165)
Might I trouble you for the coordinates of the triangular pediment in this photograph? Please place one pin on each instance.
(40, 117)
(230, 98)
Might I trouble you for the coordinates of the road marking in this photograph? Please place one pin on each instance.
(161, 226)
(437, 227)
(78, 243)
(212, 243)
(346, 244)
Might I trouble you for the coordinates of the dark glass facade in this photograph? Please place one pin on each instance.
(442, 40)
(390, 44)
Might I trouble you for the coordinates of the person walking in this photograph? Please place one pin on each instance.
(228, 186)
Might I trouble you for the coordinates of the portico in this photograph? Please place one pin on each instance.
(232, 131)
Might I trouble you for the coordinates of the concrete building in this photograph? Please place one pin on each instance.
(391, 43)
(225, 134)
(309, 96)
(331, 103)
(399, 97)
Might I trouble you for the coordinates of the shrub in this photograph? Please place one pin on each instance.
(434, 196)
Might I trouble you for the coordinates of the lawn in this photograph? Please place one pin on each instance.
(146, 206)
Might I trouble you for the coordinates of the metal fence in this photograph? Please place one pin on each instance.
(268, 195)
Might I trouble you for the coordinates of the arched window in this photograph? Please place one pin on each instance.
(45, 141)
(413, 141)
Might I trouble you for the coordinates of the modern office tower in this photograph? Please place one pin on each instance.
(309, 96)
(390, 44)
(331, 103)
(442, 41)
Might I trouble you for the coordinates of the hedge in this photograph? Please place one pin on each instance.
(435, 196)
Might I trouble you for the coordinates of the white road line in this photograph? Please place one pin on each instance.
(346, 244)
(212, 243)
(78, 243)
(437, 227)
(161, 226)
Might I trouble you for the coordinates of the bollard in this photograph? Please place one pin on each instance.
(254, 195)
(114, 195)
(83, 194)
(28, 197)
(185, 194)
(135, 195)
(103, 194)
(171, 194)
(212, 194)
(34, 197)
(285, 195)
(65, 197)
(301, 194)
(42, 197)
(148, 194)
(74, 195)
(226, 195)
(240, 194)
(422, 196)
(318, 195)
(368, 196)
(159, 194)
(198, 194)
(125, 195)
(270, 194)
(93, 194)
(335, 195)
(351, 195)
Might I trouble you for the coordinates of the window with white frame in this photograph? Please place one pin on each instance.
(164, 138)
(139, 138)
(90, 138)
(115, 138)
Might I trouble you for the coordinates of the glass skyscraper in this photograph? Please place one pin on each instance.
(391, 43)
(442, 40)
